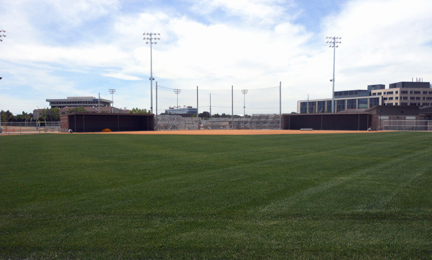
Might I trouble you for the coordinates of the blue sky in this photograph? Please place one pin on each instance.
(56, 49)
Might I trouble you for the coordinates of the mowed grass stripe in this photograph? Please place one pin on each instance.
(304, 196)
(359, 185)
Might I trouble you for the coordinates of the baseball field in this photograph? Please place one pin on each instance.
(280, 196)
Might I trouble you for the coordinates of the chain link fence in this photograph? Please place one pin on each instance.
(30, 127)
(407, 125)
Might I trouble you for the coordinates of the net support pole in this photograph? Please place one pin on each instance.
(232, 107)
(280, 105)
(155, 125)
(198, 111)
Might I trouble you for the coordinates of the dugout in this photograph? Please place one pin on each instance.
(355, 122)
(85, 122)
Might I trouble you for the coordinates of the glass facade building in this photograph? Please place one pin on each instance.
(398, 94)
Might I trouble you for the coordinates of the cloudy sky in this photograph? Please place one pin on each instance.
(61, 48)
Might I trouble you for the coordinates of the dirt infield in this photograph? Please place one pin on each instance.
(233, 132)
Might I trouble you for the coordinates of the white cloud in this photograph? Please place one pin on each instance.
(383, 40)
(259, 11)
(249, 44)
(120, 75)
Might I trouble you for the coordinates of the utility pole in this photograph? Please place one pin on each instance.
(151, 39)
(333, 44)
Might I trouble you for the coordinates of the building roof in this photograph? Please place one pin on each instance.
(79, 102)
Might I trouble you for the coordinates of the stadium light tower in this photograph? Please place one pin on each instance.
(151, 39)
(112, 91)
(244, 92)
(2, 34)
(333, 44)
(177, 92)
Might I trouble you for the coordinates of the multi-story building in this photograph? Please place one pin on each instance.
(346, 99)
(406, 94)
(79, 102)
(399, 94)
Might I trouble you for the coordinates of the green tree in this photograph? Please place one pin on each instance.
(7, 116)
(204, 114)
(4, 117)
(138, 111)
(54, 114)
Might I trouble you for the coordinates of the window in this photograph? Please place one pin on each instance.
(389, 104)
(404, 98)
(303, 107)
(425, 92)
(373, 102)
(321, 107)
(428, 98)
(404, 92)
(397, 92)
(351, 104)
(390, 93)
(390, 98)
(340, 105)
(312, 107)
(417, 92)
(425, 104)
(329, 106)
(385, 98)
(404, 104)
(397, 98)
(373, 94)
(362, 103)
(412, 98)
(417, 98)
(379, 93)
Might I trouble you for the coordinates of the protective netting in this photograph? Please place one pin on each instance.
(228, 100)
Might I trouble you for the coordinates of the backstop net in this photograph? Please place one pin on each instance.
(224, 108)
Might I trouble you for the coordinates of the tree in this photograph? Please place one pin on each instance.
(4, 116)
(7, 116)
(204, 114)
(138, 111)
(54, 114)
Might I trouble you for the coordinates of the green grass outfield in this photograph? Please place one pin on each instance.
(333, 196)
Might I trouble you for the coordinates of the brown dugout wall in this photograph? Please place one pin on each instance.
(82, 122)
(355, 122)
